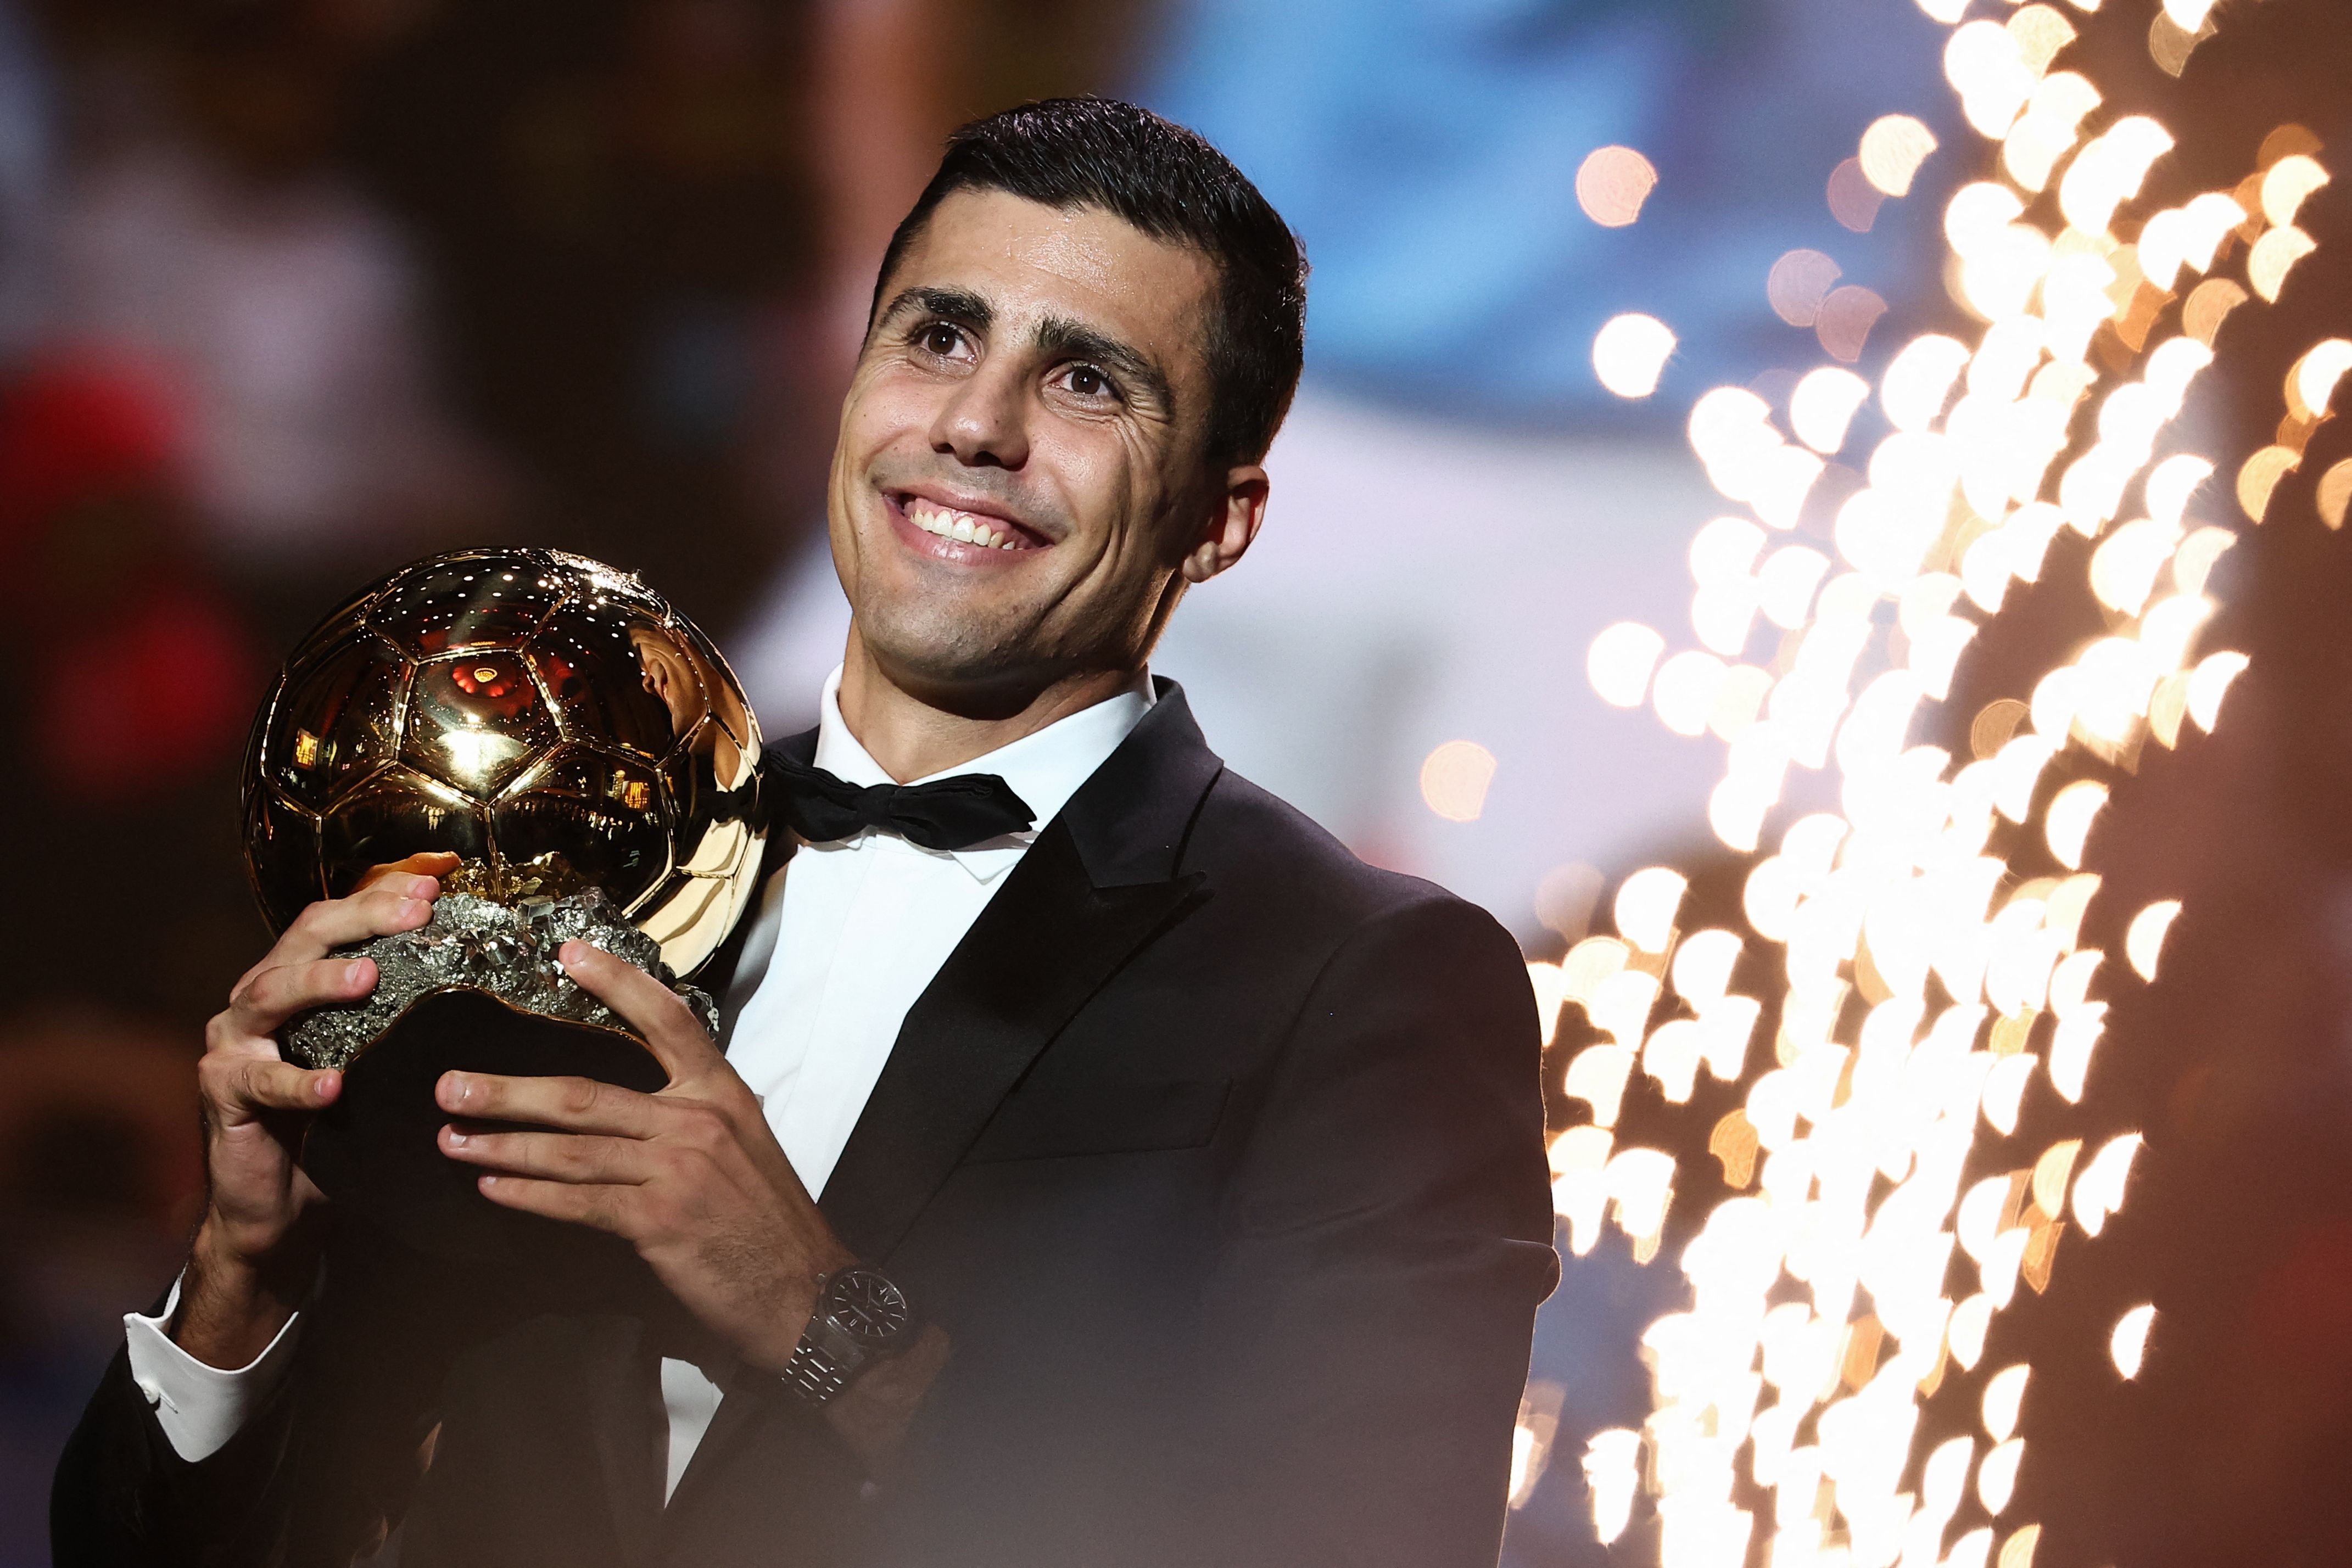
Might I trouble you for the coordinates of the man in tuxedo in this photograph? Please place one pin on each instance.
(1103, 1166)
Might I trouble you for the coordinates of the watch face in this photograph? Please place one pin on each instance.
(866, 1306)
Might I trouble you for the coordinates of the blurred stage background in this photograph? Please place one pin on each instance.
(294, 290)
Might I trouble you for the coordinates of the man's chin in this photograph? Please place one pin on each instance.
(943, 655)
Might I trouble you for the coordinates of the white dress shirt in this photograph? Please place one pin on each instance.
(843, 943)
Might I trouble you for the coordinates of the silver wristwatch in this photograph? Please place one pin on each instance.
(860, 1318)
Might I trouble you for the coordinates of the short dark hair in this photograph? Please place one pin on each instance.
(1169, 183)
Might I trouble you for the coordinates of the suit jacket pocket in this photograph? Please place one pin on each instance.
(1102, 1119)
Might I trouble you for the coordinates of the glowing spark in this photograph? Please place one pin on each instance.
(2128, 1344)
(2169, 45)
(1524, 1469)
(2145, 940)
(1800, 281)
(1455, 777)
(1641, 1187)
(1730, 424)
(1920, 380)
(2187, 237)
(1612, 1469)
(2285, 142)
(1978, 216)
(2209, 682)
(1612, 185)
(2187, 15)
(1893, 149)
(1531, 1438)
(1646, 905)
(2109, 172)
(1823, 406)
(1620, 663)
(2209, 306)
(2287, 185)
(2310, 386)
(2124, 568)
(2004, 1395)
(2047, 131)
(2041, 32)
(2099, 1190)
(1853, 201)
(1997, 1479)
(2335, 494)
(2193, 562)
(1579, 1190)
(1723, 551)
(1630, 353)
(2274, 255)
(1685, 692)
(2260, 476)
(1984, 63)
(2048, 1184)
(1598, 1076)
(1846, 320)
(2170, 485)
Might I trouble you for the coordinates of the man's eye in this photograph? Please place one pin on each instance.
(940, 338)
(1087, 382)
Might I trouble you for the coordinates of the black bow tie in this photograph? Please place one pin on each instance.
(945, 814)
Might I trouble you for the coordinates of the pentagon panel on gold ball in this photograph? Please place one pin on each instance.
(549, 720)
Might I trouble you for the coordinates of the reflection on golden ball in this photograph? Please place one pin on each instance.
(550, 719)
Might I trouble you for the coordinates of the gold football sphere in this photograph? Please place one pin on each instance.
(549, 718)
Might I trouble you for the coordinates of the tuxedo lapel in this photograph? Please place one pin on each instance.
(1044, 943)
(1100, 881)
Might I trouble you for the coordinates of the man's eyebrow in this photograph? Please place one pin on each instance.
(957, 305)
(1074, 340)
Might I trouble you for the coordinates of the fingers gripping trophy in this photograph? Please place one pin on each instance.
(573, 761)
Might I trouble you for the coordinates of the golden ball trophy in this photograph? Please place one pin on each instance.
(586, 754)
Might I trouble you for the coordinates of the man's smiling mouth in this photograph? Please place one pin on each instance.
(966, 527)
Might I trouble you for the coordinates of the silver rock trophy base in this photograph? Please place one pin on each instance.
(479, 944)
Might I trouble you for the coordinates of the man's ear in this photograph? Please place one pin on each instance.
(1226, 534)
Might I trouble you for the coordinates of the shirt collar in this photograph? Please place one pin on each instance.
(1044, 768)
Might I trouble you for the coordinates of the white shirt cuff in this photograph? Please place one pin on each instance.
(200, 1408)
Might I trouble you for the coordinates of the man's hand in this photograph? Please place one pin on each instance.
(691, 1177)
(257, 1250)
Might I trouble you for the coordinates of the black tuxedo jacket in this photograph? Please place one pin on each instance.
(1217, 1154)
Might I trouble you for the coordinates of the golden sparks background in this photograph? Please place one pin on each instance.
(1911, 993)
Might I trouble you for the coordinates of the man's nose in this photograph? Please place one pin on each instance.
(984, 422)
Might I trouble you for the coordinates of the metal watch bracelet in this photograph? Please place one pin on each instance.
(812, 1375)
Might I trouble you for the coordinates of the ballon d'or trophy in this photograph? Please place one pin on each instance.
(586, 752)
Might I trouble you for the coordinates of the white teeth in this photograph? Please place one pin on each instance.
(958, 526)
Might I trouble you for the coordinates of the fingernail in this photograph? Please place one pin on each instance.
(355, 972)
(458, 1140)
(488, 1182)
(426, 886)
